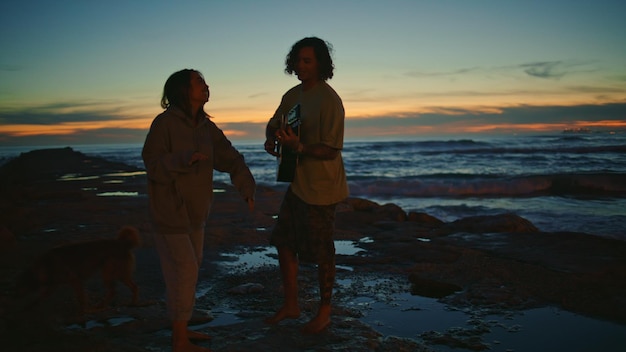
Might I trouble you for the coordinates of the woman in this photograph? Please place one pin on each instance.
(181, 150)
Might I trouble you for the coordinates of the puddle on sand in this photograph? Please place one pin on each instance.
(427, 319)
(406, 315)
(126, 174)
(552, 329)
(80, 177)
(77, 177)
(118, 194)
(90, 324)
(267, 255)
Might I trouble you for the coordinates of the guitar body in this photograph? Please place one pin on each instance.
(287, 162)
(288, 159)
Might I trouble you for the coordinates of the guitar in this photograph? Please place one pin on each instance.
(288, 158)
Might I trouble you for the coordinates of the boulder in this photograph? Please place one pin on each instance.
(492, 224)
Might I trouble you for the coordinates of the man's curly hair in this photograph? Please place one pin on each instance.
(322, 51)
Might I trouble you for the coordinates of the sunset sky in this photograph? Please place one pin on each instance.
(76, 72)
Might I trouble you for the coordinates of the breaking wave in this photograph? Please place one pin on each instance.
(604, 185)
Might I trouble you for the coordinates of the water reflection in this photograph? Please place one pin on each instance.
(77, 177)
(118, 194)
(111, 322)
(267, 255)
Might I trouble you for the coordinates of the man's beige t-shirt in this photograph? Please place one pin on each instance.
(318, 182)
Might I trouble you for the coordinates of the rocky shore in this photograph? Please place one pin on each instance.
(483, 266)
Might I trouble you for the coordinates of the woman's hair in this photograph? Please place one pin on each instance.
(322, 51)
(176, 91)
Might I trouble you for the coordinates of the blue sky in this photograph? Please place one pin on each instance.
(75, 72)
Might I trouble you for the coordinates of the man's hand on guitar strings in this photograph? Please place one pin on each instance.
(288, 138)
(270, 147)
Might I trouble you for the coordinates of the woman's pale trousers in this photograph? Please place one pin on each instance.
(181, 257)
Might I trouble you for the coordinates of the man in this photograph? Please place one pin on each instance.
(304, 231)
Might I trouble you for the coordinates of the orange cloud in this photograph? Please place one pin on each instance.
(67, 128)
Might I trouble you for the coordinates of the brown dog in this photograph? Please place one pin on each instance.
(74, 263)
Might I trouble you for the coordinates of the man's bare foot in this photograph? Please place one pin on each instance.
(197, 335)
(181, 336)
(320, 322)
(282, 314)
(316, 325)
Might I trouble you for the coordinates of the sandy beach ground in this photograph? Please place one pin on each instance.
(405, 282)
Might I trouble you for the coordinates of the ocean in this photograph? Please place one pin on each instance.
(574, 182)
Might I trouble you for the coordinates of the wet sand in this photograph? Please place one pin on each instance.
(405, 282)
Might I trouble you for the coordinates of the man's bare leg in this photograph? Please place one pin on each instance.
(197, 335)
(289, 272)
(326, 279)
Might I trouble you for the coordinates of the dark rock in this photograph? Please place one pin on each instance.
(492, 223)
(424, 219)
(376, 211)
(358, 214)
(360, 204)
(50, 164)
(392, 212)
